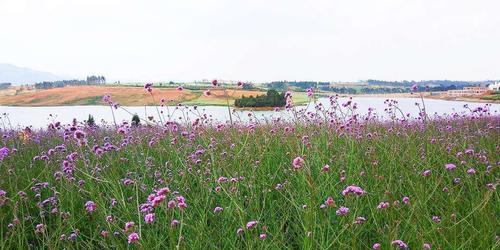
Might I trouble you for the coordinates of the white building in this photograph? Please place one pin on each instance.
(494, 86)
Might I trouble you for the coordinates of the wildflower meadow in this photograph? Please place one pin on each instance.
(323, 178)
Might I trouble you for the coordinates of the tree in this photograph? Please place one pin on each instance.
(136, 121)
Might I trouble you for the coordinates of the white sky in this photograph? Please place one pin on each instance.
(255, 40)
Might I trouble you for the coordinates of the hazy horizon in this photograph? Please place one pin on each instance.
(254, 41)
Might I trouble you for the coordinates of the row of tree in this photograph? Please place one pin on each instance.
(272, 99)
(91, 80)
(444, 83)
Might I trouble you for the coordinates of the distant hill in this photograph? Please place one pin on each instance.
(19, 75)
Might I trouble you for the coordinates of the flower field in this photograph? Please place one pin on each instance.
(327, 179)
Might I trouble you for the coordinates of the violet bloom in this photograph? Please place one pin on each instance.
(206, 92)
(262, 236)
(414, 87)
(383, 205)
(426, 246)
(218, 210)
(354, 190)
(436, 219)
(180, 88)
(3, 152)
(90, 206)
(251, 224)
(174, 223)
(148, 87)
(325, 168)
(133, 237)
(450, 166)
(297, 162)
(149, 218)
(376, 246)
(330, 202)
(342, 211)
(426, 172)
(40, 228)
(406, 200)
(400, 244)
(239, 231)
(471, 171)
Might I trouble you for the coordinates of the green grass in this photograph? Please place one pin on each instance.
(387, 164)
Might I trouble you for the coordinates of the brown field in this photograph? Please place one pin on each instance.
(124, 95)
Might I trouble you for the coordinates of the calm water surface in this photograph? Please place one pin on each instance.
(39, 117)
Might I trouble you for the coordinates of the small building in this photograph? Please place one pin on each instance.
(468, 91)
(494, 86)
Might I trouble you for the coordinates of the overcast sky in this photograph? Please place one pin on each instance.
(255, 40)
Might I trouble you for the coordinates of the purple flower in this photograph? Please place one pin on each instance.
(450, 166)
(297, 162)
(3, 152)
(406, 200)
(426, 172)
(383, 205)
(251, 224)
(90, 206)
(353, 190)
(376, 246)
(342, 211)
(436, 219)
(400, 244)
(218, 210)
(133, 237)
(149, 218)
(262, 236)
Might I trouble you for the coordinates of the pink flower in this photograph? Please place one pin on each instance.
(251, 224)
(325, 168)
(342, 211)
(90, 206)
(239, 231)
(206, 92)
(40, 228)
(414, 87)
(426, 172)
(129, 225)
(104, 233)
(383, 205)
(406, 200)
(400, 244)
(376, 246)
(471, 171)
(330, 202)
(354, 190)
(180, 88)
(436, 219)
(214, 82)
(426, 246)
(148, 87)
(262, 236)
(218, 210)
(174, 223)
(149, 218)
(133, 237)
(450, 166)
(240, 84)
(163, 191)
(297, 162)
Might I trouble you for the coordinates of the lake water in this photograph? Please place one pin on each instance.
(39, 117)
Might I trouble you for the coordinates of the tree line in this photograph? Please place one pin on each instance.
(91, 80)
(271, 99)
